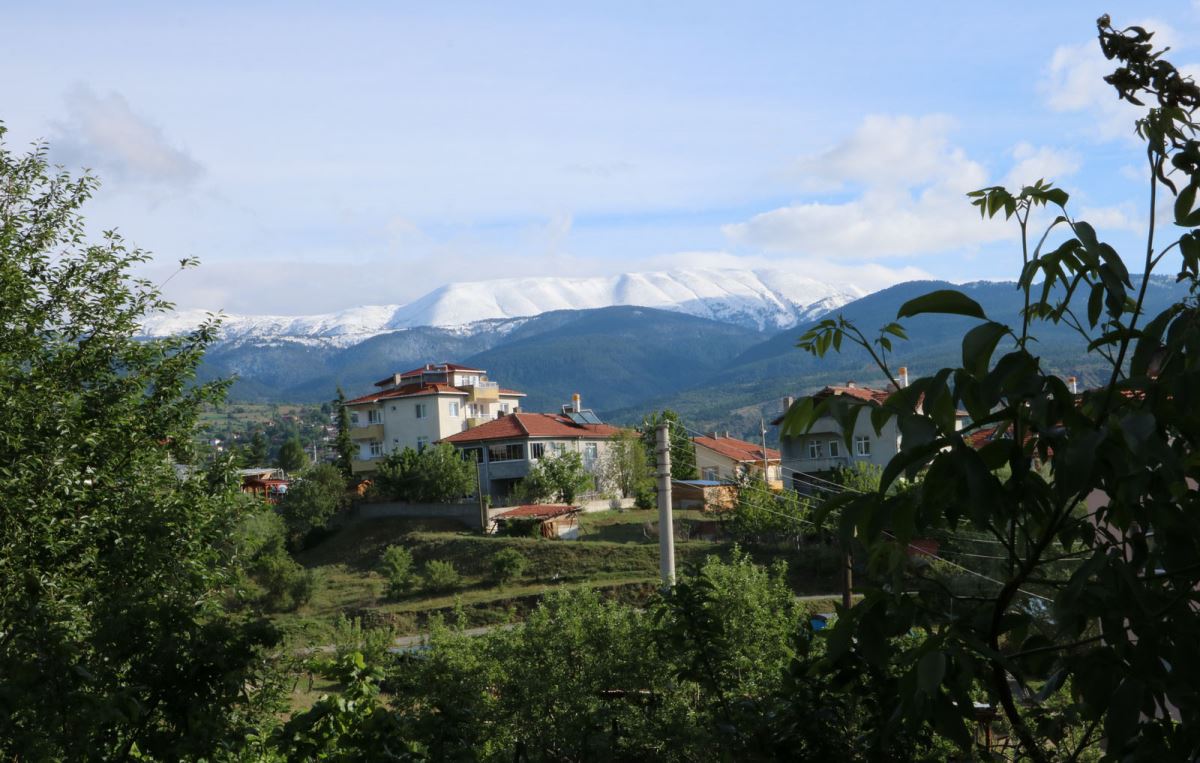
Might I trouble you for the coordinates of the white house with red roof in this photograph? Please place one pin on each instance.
(823, 448)
(415, 408)
(722, 458)
(508, 447)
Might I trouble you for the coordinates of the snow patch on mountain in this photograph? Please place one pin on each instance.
(762, 299)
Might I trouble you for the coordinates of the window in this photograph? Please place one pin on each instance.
(454, 408)
(376, 448)
(472, 455)
(354, 418)
(504, 407)
(374, 416)
(558, 448)
(590, 451)
(422, 443)
(473, 409)
(710, 473)
(511, 452)
(420, 408)
(814, 449)
(537, 450)
(835, 449)
(862, 445)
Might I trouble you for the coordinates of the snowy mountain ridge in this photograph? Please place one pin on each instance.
(761, 299)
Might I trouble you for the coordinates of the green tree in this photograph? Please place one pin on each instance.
(258, 450)
(1089, 499)
(559, 478)
(292, 457)
(343, 445)
(437, 474)
(440, 575)
(762, 515)
(683, 453)
(507, 565)
(396, 563)
(625, 465)
(113, 568)
(313, 499)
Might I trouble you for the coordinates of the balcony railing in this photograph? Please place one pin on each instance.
(366, 432)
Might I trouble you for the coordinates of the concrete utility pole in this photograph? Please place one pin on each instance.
(666, 525)
(762, 425)
(483, 514)
(847, 576)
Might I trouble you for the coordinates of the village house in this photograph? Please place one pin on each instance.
(823, 449)
(721, 458)
(506, 448)
(415, 408)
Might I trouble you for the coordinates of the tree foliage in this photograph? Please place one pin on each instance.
(313, 499)
(559, 478)
(113, 638)
(1088, 628)
(343, 446)
(625, 466)
(436, 474)
(683, 453)
(292, 457)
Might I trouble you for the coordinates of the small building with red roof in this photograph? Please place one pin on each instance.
(418, 407)
(722, 458)
(546, 520)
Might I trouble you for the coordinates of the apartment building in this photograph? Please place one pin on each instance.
(415, 408)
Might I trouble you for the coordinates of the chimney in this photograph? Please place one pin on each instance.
(576, 401)
(850, 384)
(787, 403)
(713, 435)
(903, 376)
(726, 434)
(1073, 383)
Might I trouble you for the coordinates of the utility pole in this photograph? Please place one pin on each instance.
(483, 514)
(847, 575)
(666, 526)
(762, 425)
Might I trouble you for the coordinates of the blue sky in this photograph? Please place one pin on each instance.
(322, 156)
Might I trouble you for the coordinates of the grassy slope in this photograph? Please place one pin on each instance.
(618, 554)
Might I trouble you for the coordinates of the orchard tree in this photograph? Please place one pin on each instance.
(312, 500)
(1086, 639)
(292, 457)
(558, 478)
(436, 474)
(113, 567)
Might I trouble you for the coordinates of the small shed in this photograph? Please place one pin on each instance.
(266, 483)
(706, 495)
(552, 520)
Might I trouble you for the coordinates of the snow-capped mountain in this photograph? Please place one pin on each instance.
(761, 299)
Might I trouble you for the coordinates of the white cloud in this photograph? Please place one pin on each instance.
(1040, 163)
(912, 201)
(1074, 82)
(105, 134)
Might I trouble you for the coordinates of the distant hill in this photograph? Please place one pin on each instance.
(626, 361)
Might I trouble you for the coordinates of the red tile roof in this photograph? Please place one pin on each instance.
(408, 390)
(537, 511)
(738, 450)
(439, 367)
(519, 426)
(504, 391)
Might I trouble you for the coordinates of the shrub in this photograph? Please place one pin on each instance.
(397, 566)
(507, 565)
(440, 575)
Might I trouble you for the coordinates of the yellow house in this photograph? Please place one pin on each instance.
(725, 458)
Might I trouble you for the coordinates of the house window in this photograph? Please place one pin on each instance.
(814, 449)
(504, 407)
(354, 418)
(558, 448)
(835, 449)
(376, 448)
(374, 416)
(422, 443)
(473, 409)
(454, 408)
(710, 473)
(472, 455)
(511, 452)
(537, 450)
(862, 445)
(590, 451)
(420, 408)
